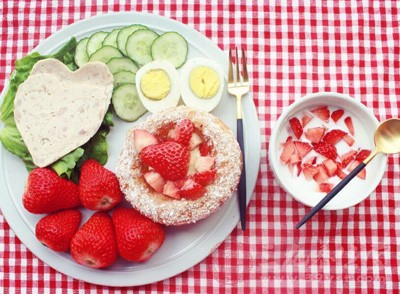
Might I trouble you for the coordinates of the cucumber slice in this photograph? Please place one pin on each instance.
(81, 56)
(123, 35)
(138, 45)
(126, 102)
(105, 54)
(124, 77)
(95, 42)
(172, 47)
(121, 63)
(111, 38)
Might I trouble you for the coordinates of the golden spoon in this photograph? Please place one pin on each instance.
(387, 140)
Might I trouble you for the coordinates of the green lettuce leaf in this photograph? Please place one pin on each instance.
(67, 166)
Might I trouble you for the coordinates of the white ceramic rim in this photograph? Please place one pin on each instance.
(273, 153)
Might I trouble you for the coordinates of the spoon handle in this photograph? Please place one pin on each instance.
(331, 194)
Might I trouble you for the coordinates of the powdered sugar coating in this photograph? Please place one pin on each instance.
(163, 209)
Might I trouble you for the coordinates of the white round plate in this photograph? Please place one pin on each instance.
(184, 246)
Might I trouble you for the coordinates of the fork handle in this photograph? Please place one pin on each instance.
(242, 181)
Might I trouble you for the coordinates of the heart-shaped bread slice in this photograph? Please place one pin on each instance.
(57, 110)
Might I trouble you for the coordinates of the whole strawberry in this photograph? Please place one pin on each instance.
(94, 244)
(169, 159)
(137, 236)
(46, 192)
(56, 230)
(98, 187)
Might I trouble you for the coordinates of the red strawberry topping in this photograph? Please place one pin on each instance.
(169, 159)
(192, 190)
(347, 158)
(296, 127)
(184, 131)
(205, 149)
(349, 140)
(334, 136)
(322, 113)
(143, 139)
(349, 124)
(337, 114)
(326, 149)
(362, 174)
(206, 177)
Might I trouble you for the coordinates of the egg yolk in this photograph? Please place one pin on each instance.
(155, 84)
(204, 82)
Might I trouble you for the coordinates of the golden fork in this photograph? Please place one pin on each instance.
(239, 85)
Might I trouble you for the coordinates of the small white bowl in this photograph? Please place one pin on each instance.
(304, 191)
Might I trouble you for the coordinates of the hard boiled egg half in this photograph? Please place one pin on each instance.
(202, 83)
(157, 84)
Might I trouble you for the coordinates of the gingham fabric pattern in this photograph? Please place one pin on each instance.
(351, 47)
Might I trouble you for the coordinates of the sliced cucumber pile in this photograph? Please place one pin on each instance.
(95, 42)
(124, 77)
(124, 50)
(172, 47)
(126, 102)
(81, 56)
(105, 54)
(124, 34)
(138, 45)
(111, 38)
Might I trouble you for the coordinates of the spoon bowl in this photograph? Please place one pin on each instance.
(387, 136)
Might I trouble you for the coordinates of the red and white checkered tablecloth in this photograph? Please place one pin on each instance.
(351, 47)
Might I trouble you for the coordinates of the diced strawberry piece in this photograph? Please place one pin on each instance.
(204, 163)
(311, 160)
(155, 180)
(299, 169)
(362, 155)
(325, 149)
(289, 138)
(302, 148)
(325, 187)
(334, 136)
(362, 174)
(349, 124)
(192, 190)
(349, 140)
(330, 167)
(195, 141)
(321, 175)
(309, 171)
(206, 177)
(142, 138)
(322, 113)
(337, 114)
(184, 131)
(295, 158)
(205, 149)
(296, 127)
(306, 119)
(347, 158)
(288, 150)
(315, 134)
(340, 173)
(171, 190)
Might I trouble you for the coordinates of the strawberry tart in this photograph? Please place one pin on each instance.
(179, 166)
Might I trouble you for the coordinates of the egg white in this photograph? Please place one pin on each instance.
(173, 96)
(188, 97)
